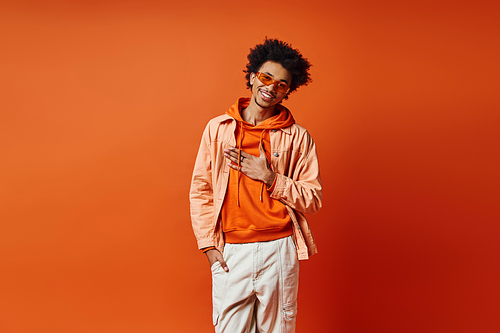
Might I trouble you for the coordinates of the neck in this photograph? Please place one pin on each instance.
(255, 113)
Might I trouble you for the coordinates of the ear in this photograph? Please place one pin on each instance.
(252, 78)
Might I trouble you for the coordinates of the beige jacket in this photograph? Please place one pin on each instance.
(298, 183)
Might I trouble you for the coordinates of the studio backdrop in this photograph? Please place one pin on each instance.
(102, 106)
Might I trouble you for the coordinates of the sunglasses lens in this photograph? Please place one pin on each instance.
(281, 87)
(266, 79)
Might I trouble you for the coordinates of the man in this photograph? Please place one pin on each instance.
(255, 176)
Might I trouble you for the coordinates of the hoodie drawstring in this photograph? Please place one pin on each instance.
(239, 162)
(261, 145)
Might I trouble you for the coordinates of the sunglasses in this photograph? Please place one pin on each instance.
(268, 80)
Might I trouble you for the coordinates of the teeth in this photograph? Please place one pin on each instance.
(266, 95)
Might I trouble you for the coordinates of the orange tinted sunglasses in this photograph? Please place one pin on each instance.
(268, 80)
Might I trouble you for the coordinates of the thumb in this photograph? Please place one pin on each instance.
(223, 265)
(222, 262)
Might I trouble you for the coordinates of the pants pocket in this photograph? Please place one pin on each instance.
(219, 288)
(214, 266)
(290, 311)
(215, 316)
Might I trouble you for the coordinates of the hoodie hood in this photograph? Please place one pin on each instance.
(283, 119)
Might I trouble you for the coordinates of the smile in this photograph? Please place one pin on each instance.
(266, 96)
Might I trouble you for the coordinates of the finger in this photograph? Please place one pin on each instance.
(234, 166)
(232, 152)
(223, 265)
(238, 152)
(222, 262)
(231, 157)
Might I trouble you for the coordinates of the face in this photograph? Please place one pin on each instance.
(266, 96)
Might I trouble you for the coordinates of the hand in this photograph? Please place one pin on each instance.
(254, 167)
(213, 256)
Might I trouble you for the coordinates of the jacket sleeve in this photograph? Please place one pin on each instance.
(302, 191)
(201, 195)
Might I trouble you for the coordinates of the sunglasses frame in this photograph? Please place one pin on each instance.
(276, 84)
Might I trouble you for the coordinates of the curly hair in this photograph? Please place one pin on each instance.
(280, 52)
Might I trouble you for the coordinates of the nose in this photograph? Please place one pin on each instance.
(271, 87)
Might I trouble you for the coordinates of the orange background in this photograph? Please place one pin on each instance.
(102, 108)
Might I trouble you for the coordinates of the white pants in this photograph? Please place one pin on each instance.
(259, 293)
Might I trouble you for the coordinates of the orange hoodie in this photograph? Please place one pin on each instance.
(248, 213)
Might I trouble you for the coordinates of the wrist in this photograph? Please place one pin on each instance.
(205, 250)
(269, 180)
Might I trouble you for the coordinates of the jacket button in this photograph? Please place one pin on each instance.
(276, 154)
